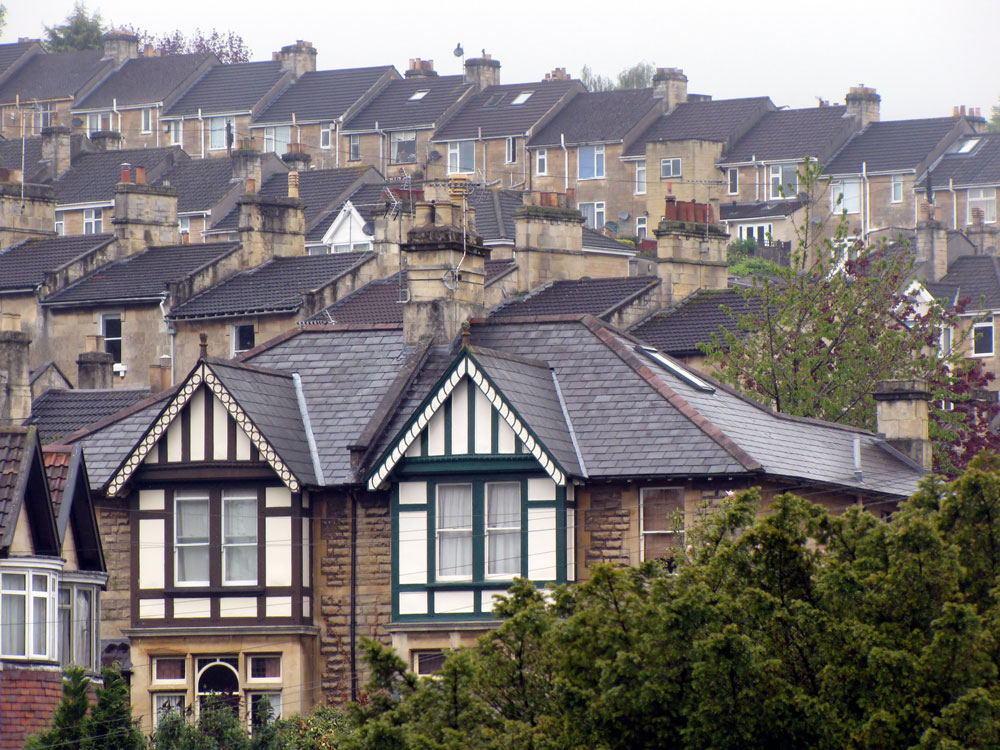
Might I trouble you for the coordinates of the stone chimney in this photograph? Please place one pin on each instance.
(902, 416)
(271, 227)
(106, 140)
(548, 244)
(931, 244)
(421, 69)
(671, 85)
(94, 366)
(690, 251)
(247, 166)
(56, 149)
(15, 389)
(299, 58)
(297, 158)
(864, 103)
(558, 74)
(121, 46)
(144, 214)
(482, 71)
(445, 272)
(28, 216)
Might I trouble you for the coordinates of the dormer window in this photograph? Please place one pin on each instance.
(418, 95)
(521, 98)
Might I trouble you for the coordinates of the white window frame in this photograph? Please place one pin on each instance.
(982, 325)
(521, 98)
(241, 496)
(416, 96)
(984, 198)
(217, 132)
(96, 122)
(156, 680)
(641, 228)
(845, 196)
(273, 138)
(400, 136)
(25, 626)
(272, 696)
(896, 189)
(326, 135)
(60, 224)
(542, 162)
(640, 177)
(251, 680)
(76, 633)
(176, 132)
(455, 149)
(191, 496)
(732, 181)
(147, 120)
(453, 530)
(598, 213)
(93, 220)
(234, 337)
(184, 225)
(42, 116)
(164, 702)
(670, 168)
(594, 156)
(776, 177)
(102, 327)
(510, 149)
(354, 147)
(500, 530)
(643, 532)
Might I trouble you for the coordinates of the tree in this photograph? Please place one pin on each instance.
(994, 122)
(798, 628)
(3, 17)
(80, 31)
(229, 47)
(638, 76)
(821, 332)
(70, 728)
(111, 725)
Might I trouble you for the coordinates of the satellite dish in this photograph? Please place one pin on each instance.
(369, 228)
(433, 156)
(623, 216)
(458, 50)
(77, 122)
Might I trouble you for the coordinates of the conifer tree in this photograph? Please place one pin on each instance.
(70, 724)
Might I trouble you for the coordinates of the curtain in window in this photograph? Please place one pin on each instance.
(83, 618)
(192, 540)
(503, 528)
(12, 614)
(240, 539)
(455, 530)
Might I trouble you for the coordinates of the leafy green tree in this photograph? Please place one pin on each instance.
(80, 31)
(638, 76)
(111, 725)
(228, 46)
(218, 728)
(70, 724)
(993, 125)
(323, 728)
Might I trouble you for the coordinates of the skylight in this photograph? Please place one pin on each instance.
(684, 374)
(418, 95)
(494, 100)
(522, 97)
(968, 145)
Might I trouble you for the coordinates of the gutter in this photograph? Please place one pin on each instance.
(310, 438)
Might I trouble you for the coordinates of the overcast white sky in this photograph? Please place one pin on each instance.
(923, 56)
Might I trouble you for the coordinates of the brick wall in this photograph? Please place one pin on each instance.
(28, 698)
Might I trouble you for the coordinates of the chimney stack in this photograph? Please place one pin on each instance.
(864, 103)
(26, 211)
(299, 58)
(247, 166)
(690, 250)
(144, 215)
(421, 69)
(482, 71)
(106, 140)
(902, 416)
(56, 149)
(558, 74)
(15, 388)
(121, 46)
(94, 366)
(271, 227)
(931, 243)
(671, 85)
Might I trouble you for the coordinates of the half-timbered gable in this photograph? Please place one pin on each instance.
(481, 488)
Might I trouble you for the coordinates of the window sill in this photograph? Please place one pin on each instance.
(176, 591)
(981, 356)
(588, 179)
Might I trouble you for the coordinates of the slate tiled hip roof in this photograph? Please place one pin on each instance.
(227, 89)
(393, 109)
(598, 117)
(274, 286)
(893, 145)
(93, 176)
(23, 266)
(143, 80)
(141, 277)
(724, 121)
(322, 95)
(792, 134)
(52, 76)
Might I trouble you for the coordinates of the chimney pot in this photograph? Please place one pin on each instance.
(126, 173)
(140, 175)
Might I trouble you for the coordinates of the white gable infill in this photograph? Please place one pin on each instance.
(464, 367)
(347, 229)
(201, 375)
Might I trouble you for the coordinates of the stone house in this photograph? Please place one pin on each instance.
(312, 111)
(963, 180)
(487, 137)
(581, 150)
(52, 571)
(393, 131)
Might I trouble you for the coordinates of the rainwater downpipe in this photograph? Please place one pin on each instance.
(202, 126)
(336, 153)
(756, 177)
(954, 203)
(867, 206)
(114, 108)
(381, 135)
(562, 145)
(479, 137)
(354, 595)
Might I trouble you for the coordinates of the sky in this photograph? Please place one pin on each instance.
(922, 57)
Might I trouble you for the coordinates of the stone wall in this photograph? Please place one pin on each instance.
(113, 523)
(607, 523)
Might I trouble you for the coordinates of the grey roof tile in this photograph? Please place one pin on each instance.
(694, 321)
(226, 89)
(57, 413)
(976, 277)
(980, 166)
(200, 183)
(393, 109)
(793, 134)
(487, 115)
(93, 176)
(52, 76)
(893, 145)
(724, 120)
(11, 53)
(376, 302)
(23, 266)
(143, 80)
(577, 296)
(321, 95)
(599, 117)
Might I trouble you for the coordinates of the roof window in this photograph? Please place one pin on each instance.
(673, 367)
(418, 95)
(968, 145)
(522, 98)
(494, 100)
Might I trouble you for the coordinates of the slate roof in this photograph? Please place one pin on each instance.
(376, 302)
(93, 176)
(10, 153)
(593, 240)
(58, 413)
(143, 276)
(504, 118)
(976, 277)
(11, 53)
(274, 286)
(200, 183)
(891, 146)
(270, 401)
(23, 266)
(143, 80)
(495, 213)
(757, 210)
(392, 109)
(981, 166)
(723, 120)
(52, 76)
(599, 117)
(225, 89)
(794, 134)
(321, 95)
(678, 331)
(109, 444)
(598, 297)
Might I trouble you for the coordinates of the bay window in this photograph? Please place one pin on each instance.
(461, 157)
(403, 147)
(590, 165)
(26, 615)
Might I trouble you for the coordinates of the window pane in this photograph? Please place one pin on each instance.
(65, 626)
(467, 156)
(169, 669)
(12, 619)
(192, 564)
(241, 520)
(428, 662)
(656, 546)
(455, 551)
(263, 667)
(455, 506)
(84, 625)
(264, 708)
(586, 162)
(192, 520)
(39, 626)
(983, 339)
